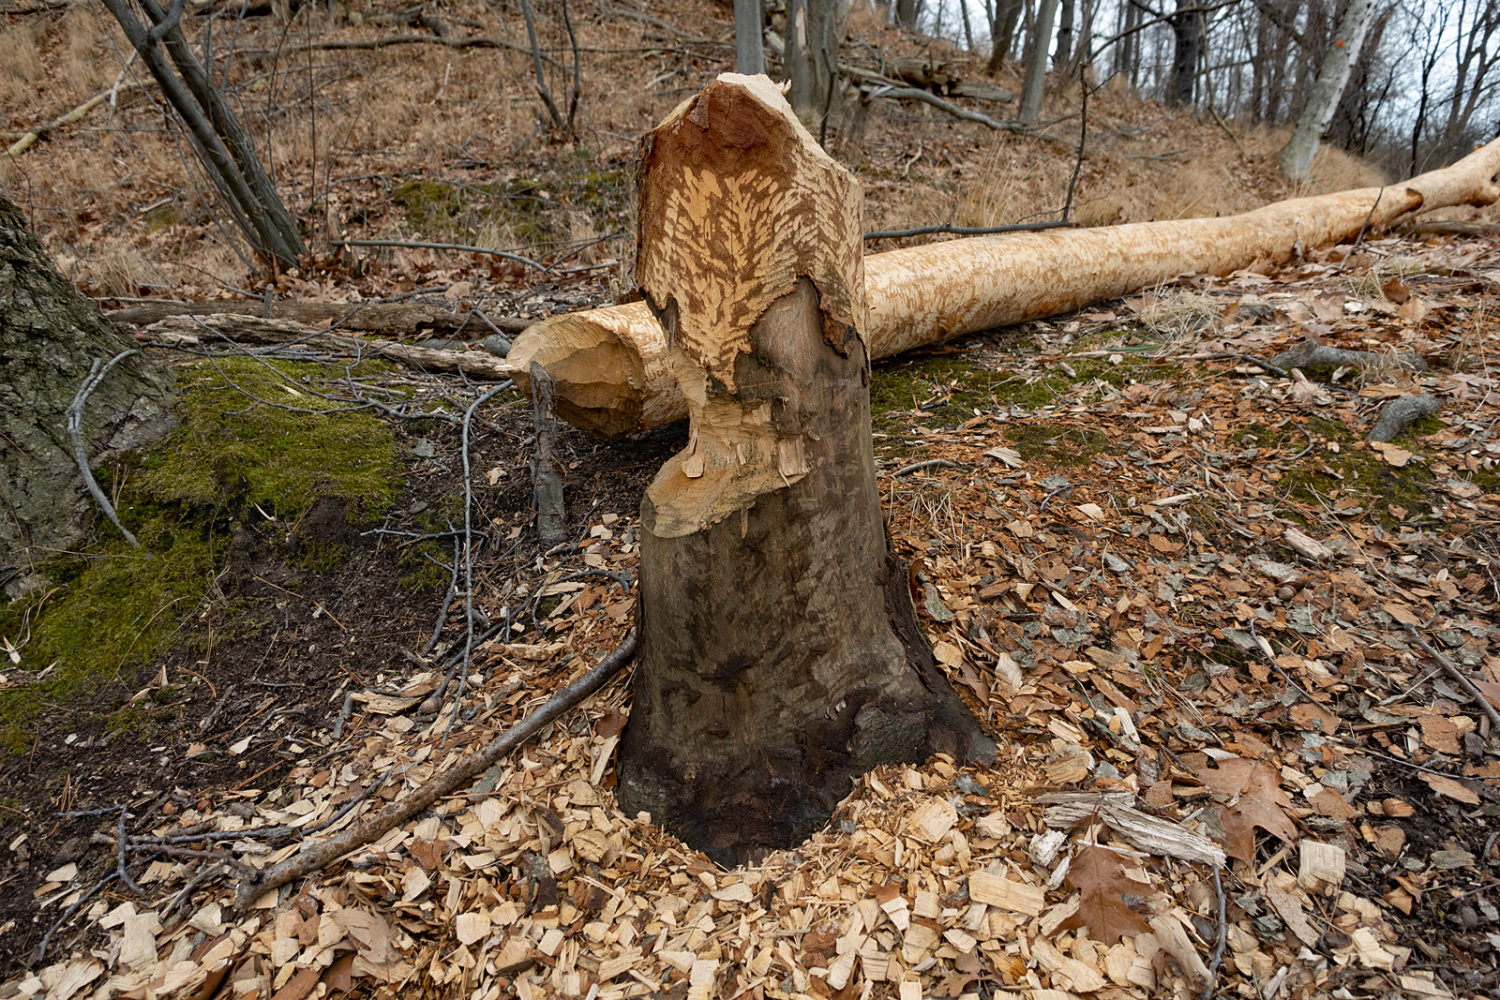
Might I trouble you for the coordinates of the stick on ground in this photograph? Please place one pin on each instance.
(322, 853)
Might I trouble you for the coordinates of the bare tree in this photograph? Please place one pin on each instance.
(1003, 32)
(814, 30)
(1036, 61)
(1297, 155)
(222, 145)
(749, 37)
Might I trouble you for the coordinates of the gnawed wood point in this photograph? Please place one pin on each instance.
(780, 655)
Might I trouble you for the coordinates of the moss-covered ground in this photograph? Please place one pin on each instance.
(257, 443)
(1334, 469)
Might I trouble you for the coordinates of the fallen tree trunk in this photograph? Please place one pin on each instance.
(610, 366)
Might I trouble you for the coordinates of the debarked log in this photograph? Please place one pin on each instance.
(610, 366)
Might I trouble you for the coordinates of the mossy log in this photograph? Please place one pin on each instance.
(780, 655)
(611, 370)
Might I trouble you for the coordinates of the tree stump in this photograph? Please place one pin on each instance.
(780, 654)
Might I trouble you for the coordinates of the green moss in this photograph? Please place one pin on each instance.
(898, 389)
(255, 439)
(1059, 444)
(422, 562)
(1323, 476)
(161, 217)
(114, 608)
(1131, 368)
(431, 206)
(531, 209)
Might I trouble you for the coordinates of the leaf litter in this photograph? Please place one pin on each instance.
(1178, 593)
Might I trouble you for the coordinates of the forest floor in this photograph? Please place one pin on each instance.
(1215, 632)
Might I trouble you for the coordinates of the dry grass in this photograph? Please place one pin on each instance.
(419, 112)
(1178, 317)
(23, 66)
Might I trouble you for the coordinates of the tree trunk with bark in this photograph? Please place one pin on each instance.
(780, 655)
(1297, 155)
(611, 365)
(50, 335)
(1002, 32)
(749, 37)
(1187, 52)
(814, 29)
(1036, 61)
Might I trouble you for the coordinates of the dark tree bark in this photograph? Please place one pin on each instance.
(1003, 32)
(906, 13)
(50, 335)
(780, 656)
(814, 30)
(1187, 52)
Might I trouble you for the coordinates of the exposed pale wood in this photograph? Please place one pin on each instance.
(780, 655)
(922, 295)
(1320, 867)
(1006, 894)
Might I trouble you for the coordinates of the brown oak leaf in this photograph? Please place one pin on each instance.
(1256, 799)
(1097, 873)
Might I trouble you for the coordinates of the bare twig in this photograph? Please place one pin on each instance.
(1218, 956)
(1023, 227)
(75, 431)
(931, 463)
(468, 555)
(120, 860)
(464, 771)
(1458, 675)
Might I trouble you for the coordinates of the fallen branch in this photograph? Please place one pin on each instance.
(188, 331)
(1308, 353)
(1399, 414)
(460, 247)
(30, 136)
(613, 371)
(891, 93)
(323, 853)
(374, 317)
(1458, 675)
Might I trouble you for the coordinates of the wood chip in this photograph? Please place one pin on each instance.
(1017, 897)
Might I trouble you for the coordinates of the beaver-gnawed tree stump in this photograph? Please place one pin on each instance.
(780, 654)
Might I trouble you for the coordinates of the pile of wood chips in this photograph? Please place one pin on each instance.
(1157, 822)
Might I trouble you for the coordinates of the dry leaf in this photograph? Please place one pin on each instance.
(1257, 800)
(1455, 790)
(1098, 875)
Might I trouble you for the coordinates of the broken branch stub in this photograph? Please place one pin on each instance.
(780, 656)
